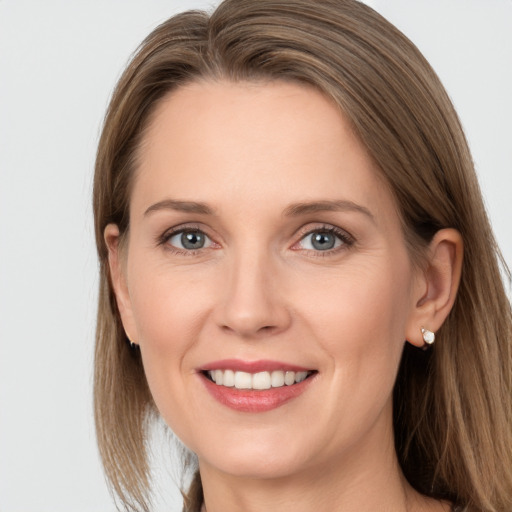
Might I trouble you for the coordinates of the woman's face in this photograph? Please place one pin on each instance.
(263, 245)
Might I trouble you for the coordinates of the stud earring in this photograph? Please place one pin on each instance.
(428, 336)
(131, 343)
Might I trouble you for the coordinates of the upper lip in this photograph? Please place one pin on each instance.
(253, 366)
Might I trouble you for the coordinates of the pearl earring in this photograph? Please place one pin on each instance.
(131, 343)
(428, 336)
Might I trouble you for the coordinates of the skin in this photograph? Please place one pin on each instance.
(259, 290)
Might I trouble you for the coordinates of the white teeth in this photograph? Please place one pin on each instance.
(243, 380)
(218, 374)
(300, 376)
(228, 379)
(277, 379)
(289, 378)
(259, 381)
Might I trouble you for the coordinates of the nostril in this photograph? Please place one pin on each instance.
(264, 329)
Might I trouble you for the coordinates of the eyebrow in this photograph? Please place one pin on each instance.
(293, 210)
(297, 209)
(180, 206)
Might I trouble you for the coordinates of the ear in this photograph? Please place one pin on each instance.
(436, 287)
(117, 264)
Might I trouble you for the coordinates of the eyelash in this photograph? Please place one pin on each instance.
(346, 239)
(165, 237)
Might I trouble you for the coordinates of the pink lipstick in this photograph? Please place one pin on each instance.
(255, 386)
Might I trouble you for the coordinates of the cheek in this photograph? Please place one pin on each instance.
(364, 306)
(169, 311)
(360, 318)
(168, 305)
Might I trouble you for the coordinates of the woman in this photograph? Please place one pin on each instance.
(297, 271)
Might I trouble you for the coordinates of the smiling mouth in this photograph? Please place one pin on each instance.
(256, 381)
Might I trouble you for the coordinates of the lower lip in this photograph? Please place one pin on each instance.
(246, 400)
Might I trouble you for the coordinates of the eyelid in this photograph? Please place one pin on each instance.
(163, 239)
(346, 238)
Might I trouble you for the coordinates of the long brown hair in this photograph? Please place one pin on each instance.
(452, 404)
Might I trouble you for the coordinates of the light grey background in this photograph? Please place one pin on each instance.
(59, 61)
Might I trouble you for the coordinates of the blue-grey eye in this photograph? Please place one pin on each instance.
(321, 241)
(189, 240)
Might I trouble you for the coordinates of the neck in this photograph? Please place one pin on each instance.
(363, 479)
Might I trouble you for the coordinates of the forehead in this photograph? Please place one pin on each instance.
(276, 142)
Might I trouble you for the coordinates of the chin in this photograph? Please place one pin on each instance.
(258, 458)
(256, 467)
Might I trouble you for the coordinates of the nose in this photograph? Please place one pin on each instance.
(251, 300)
